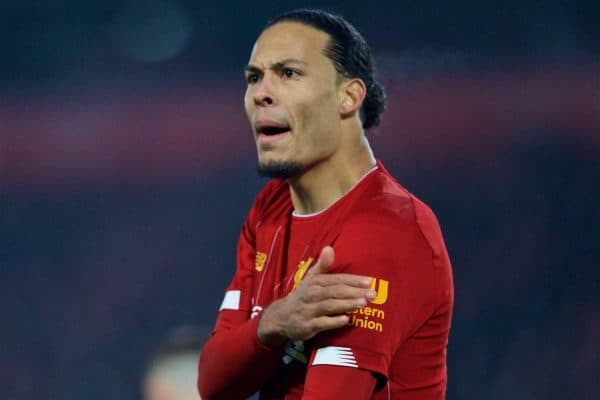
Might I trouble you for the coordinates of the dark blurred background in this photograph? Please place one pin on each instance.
(127, 167)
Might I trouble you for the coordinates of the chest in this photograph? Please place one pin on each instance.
(284, 254)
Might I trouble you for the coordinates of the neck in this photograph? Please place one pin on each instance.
(327, 181)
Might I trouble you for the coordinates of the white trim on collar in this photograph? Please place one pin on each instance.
(295, 214)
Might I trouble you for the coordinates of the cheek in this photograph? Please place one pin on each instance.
(328, 106)
(324, 114)
(319, 111)
(248, 104)
(319, 128)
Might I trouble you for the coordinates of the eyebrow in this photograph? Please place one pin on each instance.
(276, 66)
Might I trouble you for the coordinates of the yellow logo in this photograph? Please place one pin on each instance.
(368, 318)
(382, 290)
(372, 318)
(302, 268)
(259, 261)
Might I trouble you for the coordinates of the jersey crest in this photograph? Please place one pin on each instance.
(301, 271)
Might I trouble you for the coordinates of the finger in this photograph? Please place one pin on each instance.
(333, 307)
(354, 297)
(321, 324)
(325, 260)
(353, 280)
(326, 323)
(340, 291)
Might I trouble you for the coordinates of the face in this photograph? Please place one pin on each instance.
(164, 390)
(291, 99)
(172, 377)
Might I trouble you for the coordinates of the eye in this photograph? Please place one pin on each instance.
(252, 78)
(290, 73)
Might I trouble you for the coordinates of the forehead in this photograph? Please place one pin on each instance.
(289, 40)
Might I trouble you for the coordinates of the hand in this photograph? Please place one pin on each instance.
(320, 302)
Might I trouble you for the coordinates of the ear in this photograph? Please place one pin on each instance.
(352, 93)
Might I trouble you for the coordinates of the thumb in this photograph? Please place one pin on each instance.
(324, 262)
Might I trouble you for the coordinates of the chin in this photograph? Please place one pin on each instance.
(280, 169)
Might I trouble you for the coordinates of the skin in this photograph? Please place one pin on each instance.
(158, 390)
(169, 385)
(292, 83)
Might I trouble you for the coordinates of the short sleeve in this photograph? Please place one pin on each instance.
(394, 254)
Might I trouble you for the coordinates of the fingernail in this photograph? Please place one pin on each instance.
(360, 303)
(371, 294)
(366, 281)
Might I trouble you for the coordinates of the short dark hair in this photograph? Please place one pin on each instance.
(350, 54)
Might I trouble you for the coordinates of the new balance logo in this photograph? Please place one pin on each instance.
(334, 355)
(259, 261)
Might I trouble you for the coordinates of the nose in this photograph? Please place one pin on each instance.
(263, 93)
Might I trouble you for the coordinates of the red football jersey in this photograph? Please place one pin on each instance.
(377, 229)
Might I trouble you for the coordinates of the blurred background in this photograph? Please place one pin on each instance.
(127, 168)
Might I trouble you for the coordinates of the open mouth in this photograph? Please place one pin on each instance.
(273, 130)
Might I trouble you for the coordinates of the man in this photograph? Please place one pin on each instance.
(172, 372)
(343, 288)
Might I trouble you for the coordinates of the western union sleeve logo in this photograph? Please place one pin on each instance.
(372, 318)
(259, 261)
(381, 287)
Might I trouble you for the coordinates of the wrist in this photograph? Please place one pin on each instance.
(269, 332)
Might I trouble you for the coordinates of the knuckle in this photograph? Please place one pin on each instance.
(304, 295)
(334, 292)
(340, 292)
(327, 308)
(312, 294)
(315, 325)
(320, 280)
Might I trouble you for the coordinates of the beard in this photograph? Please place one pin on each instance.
(280, 169)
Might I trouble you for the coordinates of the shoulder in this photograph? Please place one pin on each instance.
(391, 206)
(275, 194)
(273, 188)
(391, 221)
(384, 205)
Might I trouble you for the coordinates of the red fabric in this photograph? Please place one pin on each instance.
(234, 353)
(326, 382)
(235, 350)
(378, 229)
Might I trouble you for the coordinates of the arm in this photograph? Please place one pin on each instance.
(236, 352)
(331, 382)
(233, 353)
(320, 303)
(245, 350)
(400, 262)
